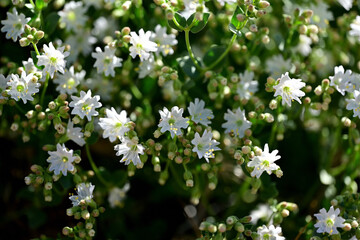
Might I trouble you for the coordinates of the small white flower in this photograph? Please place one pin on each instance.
(222, 2)
(264, 162)
(130, 149)
(73, 16)
(117, 195)
(172, 121)
(329, 221)
(75, 134)
(262, 211)
(205, 145)
(289, 89)
(191, 6)
(347, 4)
(14, 25)
(104, 27)
(303, 46)
(199, 114)
(354, 104)
(101, 86)
(61, 160)
(341, 80)
(68, 82)
(106, 61)
(141, 45)
(321, 14)
(271, 233)
(85, 105)
(23, 87)
(146, 67)
(30, 67)
(114, 125)
(236, 122)
(355, 28)
(84, 194)
(3, 84)
(96, 3)
(276, 65)
(247, 85)
(164, 41)
(81, 42)
(53, 60)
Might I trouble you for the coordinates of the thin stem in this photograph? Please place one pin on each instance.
(93, 165)
(135, 91)
(224, 53)
(188, 46)
(44, 90)
(36, 50)
(32, 3)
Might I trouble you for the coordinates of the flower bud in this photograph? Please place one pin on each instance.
(39, 35)
(264, 4)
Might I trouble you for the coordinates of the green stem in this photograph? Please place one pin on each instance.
(32, 3)
(36, 50)
(188, 46)
(46, 83)
(135, 91)
(94, 167)
(178, 180)
(20, 108)
(224, 53)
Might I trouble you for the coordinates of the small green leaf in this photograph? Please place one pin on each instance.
(34, 57)
(188, 67)
(172, 25)
(213, 54)
(190, 19)
(180, 19)
(51, 22)
(39, 4)
(200, 24)
(235, 25)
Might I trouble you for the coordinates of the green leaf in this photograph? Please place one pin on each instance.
(172, 25)
(180, 19)
(200, 24)
(213, 54)
(39, 4)
(188, 67)
(51, 22)
(34, 57)
(235, 25)
(190, 19)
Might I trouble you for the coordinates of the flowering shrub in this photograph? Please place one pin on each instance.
(176, 119)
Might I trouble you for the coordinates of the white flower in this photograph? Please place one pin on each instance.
(289, 89)
(23, 87)
(303, 46)
(14, 25)
(347, 4)
(172, 121)
(247, 85)
(276, 65)
(53, 60)
(146, 67)
(271, 233)
(341, 79)
(85, 105)
(199, 114)
(163, 40)
(141, 45)
(190, 7)
(355, 28)
(30, 67)
(115, 125)
(321, 14)
(73, 16)
(329, 221)
(222, 2)
(75, 134)
(68, 82)
(61, 160)
(103, 27)
(130, 149)
(117, 195)
(85, 194)
(205, 145)
(264, 162)
(102, 86)
(81, 42)
(106, 61)
(3, 84)
(354, 104)
(262, 211)
(236, 122)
